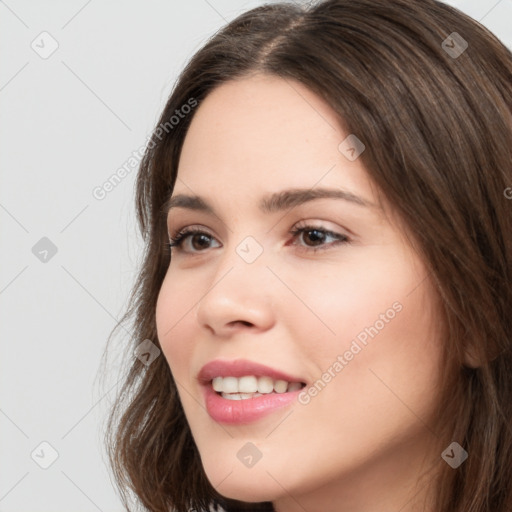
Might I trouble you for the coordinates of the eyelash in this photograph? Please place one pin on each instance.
(177, 240)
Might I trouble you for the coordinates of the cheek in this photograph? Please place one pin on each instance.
(391, 360)
(363, 298)
(408, 355)
(173, 317)
(383, 320)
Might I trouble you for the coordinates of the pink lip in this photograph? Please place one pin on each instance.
(239, 412)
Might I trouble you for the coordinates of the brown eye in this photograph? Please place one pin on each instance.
(314, 238)
(314, 235)
(199, 240)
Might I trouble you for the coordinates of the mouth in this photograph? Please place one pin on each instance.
(242, 391)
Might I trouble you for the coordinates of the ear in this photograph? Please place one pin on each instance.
(471, 358)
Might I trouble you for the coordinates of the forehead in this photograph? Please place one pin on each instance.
(263, 133)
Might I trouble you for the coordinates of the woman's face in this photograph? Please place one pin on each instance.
(342, 311)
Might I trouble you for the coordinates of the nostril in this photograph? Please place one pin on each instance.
(243, 322)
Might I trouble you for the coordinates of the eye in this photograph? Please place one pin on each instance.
(197, 238)
(314, 238)
(317, 236)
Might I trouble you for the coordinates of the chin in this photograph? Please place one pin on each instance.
(245, 485)
(249, 493)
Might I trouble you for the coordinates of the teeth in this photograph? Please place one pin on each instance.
(280, 386)
(265, 385)
(240, 396)
(294, 386)
(250, 386)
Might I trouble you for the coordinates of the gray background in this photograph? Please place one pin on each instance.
(67, 123)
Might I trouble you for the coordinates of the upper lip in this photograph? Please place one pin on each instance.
(240, 368)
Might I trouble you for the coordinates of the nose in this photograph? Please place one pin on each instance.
(241, 296)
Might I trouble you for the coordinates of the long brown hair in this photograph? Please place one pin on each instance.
(434, 110)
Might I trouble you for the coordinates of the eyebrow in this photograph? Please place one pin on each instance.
(272, 203)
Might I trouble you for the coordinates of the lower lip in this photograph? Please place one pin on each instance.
(239, 412)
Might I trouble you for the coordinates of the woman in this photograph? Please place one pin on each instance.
(328, 269)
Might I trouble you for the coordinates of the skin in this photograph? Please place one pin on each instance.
(361, 443)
